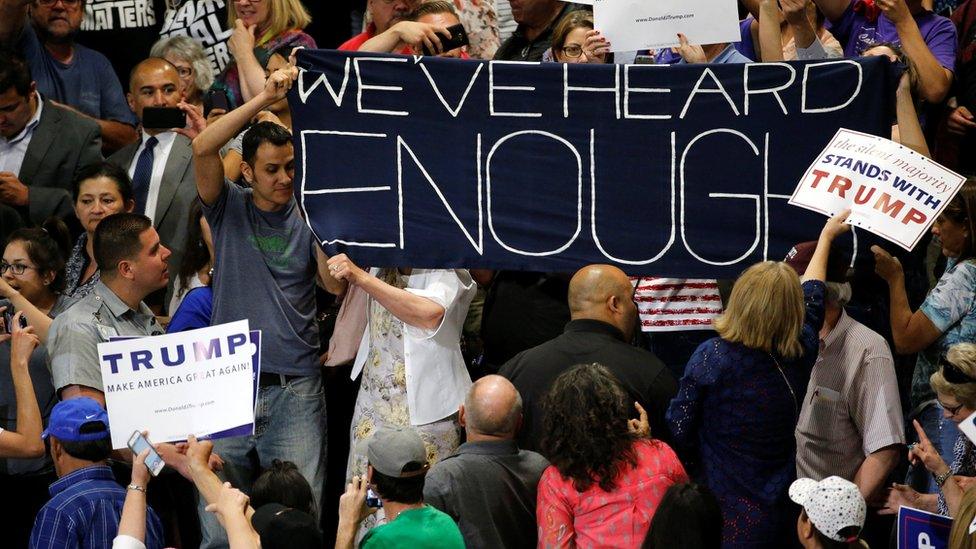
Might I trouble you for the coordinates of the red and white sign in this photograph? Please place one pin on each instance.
(892, 191)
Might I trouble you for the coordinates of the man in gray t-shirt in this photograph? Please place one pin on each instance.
(266, 266)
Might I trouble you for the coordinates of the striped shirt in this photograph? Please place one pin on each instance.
(84, 512)
(506, 23)
(672, 304)
(851, 408)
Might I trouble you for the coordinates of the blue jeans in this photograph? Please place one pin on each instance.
(942, 433)
(290, 426)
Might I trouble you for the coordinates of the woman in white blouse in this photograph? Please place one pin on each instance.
(410, 356)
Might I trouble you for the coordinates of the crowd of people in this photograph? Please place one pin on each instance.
(802, 406)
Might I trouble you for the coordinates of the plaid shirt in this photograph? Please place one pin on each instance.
(84, 511)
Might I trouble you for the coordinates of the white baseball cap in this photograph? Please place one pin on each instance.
(832, 504)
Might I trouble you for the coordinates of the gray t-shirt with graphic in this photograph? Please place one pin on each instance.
(265, 272)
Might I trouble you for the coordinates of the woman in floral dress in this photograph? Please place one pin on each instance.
(410, 356)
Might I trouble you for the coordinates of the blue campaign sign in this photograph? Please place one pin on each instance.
(922, 530)
(681, 170)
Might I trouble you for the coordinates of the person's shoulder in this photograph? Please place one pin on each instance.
(865, 336)
(67, 120)
(533, 460)
(78, 312)
(93, 59)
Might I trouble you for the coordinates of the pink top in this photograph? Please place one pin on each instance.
(595, 518)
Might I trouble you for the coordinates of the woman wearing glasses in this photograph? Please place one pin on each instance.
(575, 41)
(32, 279)
(955, 388)
(946, 317)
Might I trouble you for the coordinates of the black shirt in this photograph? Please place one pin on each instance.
(522, 309)
(520, 48)
(585, 341)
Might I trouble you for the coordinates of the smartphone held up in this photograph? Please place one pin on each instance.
(154, 462)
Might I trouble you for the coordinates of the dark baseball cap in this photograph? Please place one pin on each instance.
(800, 255)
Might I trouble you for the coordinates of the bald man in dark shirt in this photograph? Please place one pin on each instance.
(604, 320)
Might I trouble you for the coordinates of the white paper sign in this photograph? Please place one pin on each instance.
(196, 382)
(892, 191)
(640, 24)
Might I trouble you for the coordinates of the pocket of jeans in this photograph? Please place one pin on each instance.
(306, 388)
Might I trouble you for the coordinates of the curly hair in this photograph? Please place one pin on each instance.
(585, 427)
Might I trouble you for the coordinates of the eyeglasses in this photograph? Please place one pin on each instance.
(67, 3)
(572, 50)
(17, 268)
(953, 410)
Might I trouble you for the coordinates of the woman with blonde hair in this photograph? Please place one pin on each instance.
(270, 25)
(739, 399)
(954, 384)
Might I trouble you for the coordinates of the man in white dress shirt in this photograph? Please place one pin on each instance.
(161, 162)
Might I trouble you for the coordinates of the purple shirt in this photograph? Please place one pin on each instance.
(746, 46)
(857, 34)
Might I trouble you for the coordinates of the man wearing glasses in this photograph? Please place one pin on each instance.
(70, 74)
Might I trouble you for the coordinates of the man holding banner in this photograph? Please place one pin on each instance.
(268, 263)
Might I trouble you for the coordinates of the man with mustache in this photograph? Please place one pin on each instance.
(70, 74)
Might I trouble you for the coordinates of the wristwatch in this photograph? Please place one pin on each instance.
(143, 488)
(941, 479)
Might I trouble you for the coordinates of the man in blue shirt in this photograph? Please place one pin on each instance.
(86, 502)
(68, 73)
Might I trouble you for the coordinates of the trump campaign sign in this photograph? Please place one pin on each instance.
(892, 191)
(198, 382)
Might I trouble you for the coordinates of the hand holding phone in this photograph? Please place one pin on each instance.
(154, 462)
(8, 320)
(459, 37)
(163, 118)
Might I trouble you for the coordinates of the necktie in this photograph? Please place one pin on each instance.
(142, 175)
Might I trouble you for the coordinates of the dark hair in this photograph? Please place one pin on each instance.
(14, 72)
(688, 517)
(431, 7)
(572, 20)
(401, 490)
(89, 450)
(585, 427)
(283, 483)
(103, 169)
(263, 132)
(850, 532)
(962, 210)
(117, 238)
(47, 247)
(197, 255)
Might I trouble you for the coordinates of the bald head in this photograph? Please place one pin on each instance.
(149, 66)
(593, 285)
(493, 407)
(154, 82)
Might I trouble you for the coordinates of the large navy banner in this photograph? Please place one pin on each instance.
(679, 170)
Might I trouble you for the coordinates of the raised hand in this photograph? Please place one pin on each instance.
(278, 84)
(691, 53)
(639, 427)
(885, 265)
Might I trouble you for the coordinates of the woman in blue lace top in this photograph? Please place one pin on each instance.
(739, 399)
